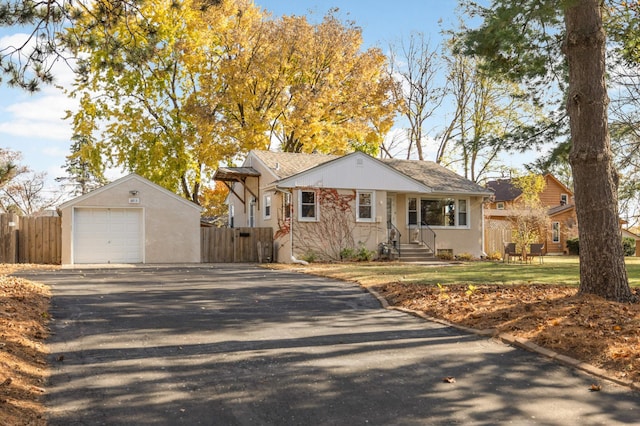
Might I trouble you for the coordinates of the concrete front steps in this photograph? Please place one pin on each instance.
(415, 252)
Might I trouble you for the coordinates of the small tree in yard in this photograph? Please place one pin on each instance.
(531, 220)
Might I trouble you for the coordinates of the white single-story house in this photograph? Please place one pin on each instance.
(131, 220)
(321, 205)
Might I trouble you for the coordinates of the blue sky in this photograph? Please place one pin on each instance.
(33, 124)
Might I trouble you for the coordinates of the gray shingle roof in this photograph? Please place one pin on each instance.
(504, 190)
(435, 176)
(559, 209)
(285, 164)
(440, 179)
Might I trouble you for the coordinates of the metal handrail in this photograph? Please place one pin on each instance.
(430, 240)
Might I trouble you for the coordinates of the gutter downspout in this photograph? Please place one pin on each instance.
(484, 199)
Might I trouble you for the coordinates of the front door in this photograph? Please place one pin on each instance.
(391, 211)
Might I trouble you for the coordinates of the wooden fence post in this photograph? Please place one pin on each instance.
(9, 225)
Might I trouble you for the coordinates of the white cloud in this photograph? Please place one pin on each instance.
(14, 41)
(39, 117)
(61, 69)
(55, 152)
(35, 130)
(45, 107)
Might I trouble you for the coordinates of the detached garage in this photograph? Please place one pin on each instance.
(131, 220)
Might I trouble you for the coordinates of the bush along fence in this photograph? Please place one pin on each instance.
(25, 239)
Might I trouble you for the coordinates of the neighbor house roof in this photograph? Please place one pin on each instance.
(628, 234)
(504, 190)
(559, 209)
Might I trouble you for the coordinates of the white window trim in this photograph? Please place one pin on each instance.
(500, 205)
(457, 207)
(267, 207)
(286, 205)
(317, 207)
(417, 210)
(373, 207)
(467, 212)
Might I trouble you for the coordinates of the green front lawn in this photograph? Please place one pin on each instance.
(555, 270)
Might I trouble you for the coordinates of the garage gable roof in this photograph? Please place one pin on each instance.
(125, 179)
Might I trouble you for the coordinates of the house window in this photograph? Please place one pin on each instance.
(500, 205)
(444, 212)
(564, 199)
(364, 208)
(555, 232)
(267, 206)
(308, 206)
(231, 213)
(462, 213)
(412, 211)
(432, 212)
(286, 205)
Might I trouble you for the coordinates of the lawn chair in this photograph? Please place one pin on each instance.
(510, 251)
(536, 250)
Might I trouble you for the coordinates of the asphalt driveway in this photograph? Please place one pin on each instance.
(241, 345)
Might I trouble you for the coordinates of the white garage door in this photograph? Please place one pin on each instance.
(107, 236)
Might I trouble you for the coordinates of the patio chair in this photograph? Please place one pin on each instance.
(510, 251)
(536, 250)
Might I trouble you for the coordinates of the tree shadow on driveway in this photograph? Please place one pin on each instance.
(241, 345)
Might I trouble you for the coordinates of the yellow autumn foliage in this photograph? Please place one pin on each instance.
(177, 87)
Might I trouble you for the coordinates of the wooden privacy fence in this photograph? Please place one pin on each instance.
(30, 239)
(496, 234)
(39, 240)
(230, 245)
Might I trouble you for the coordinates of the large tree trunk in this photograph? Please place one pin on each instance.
(602, 268)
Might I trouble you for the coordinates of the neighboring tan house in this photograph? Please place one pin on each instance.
(556, 197)
(320, 205)
(131, 220)
(626, 233)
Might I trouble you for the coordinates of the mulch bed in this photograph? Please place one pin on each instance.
(602, 333)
